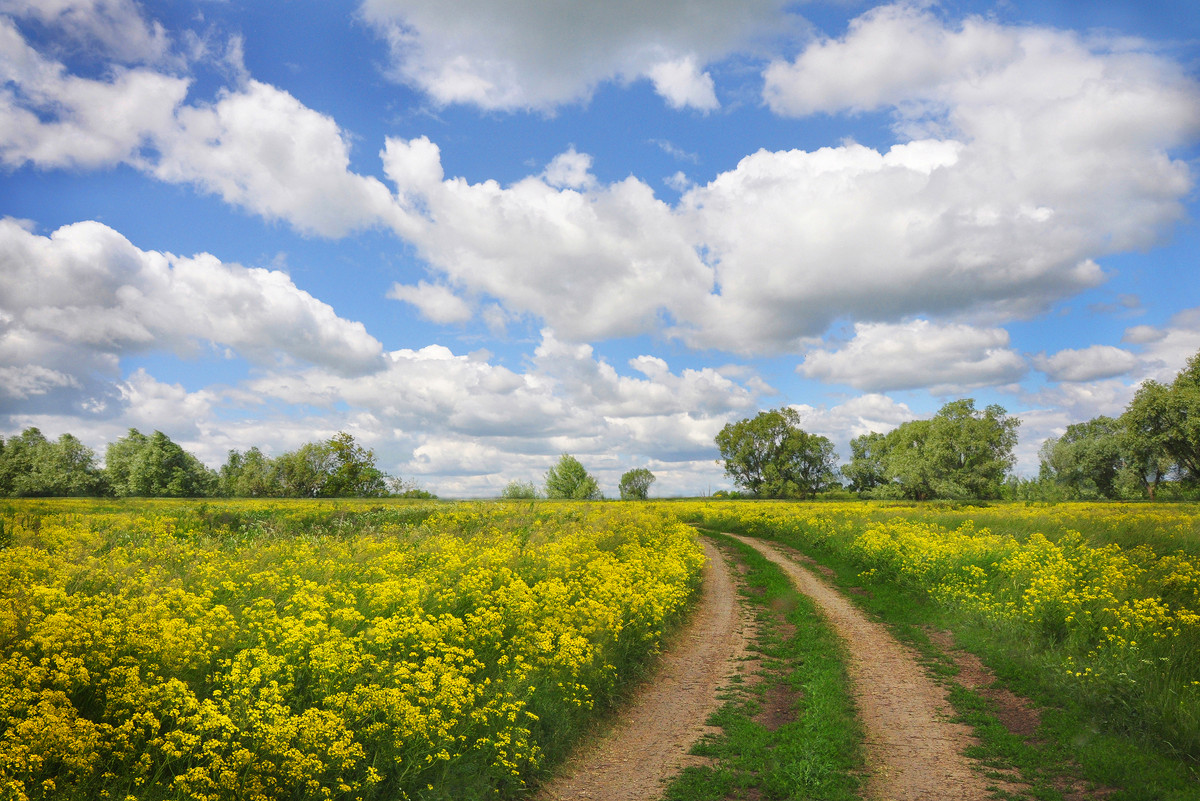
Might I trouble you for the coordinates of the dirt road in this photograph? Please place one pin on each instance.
(913, 750)
(650, 742)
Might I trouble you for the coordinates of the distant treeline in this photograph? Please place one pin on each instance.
(963, 453)
(154, 466)
(1151, 451)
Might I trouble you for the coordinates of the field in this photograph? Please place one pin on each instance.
(361, 650)
(305, 650)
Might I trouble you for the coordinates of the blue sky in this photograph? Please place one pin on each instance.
(478, 235)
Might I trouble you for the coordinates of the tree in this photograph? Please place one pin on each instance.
(958, 453)
(971, 451)
(353, 472)
(1162, 423)
(635, 484)
(772, 457)
(568, 479)
(249, 475)
(866, 469)
(1087, 460)
(32, 466)
(520, 491)
(155, 466)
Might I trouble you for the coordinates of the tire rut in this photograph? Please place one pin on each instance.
(913, 751)
(649, 743)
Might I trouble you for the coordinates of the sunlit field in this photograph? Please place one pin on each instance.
(1100, 602)
(300, 649)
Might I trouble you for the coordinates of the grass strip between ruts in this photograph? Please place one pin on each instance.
(792, 732)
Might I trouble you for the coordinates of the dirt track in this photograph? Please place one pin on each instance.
(650, 742)
(913, 750)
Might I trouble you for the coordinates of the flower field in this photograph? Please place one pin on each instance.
(289, 650)
(1100, 602)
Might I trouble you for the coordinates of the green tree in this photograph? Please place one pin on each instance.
(249, 475)
(866, 469)
(33, 466)
(971, 450)
(960, 452)
(1087, 460)
(568, 479)
(1162, 424)
(352, 470)
(155, 467)
(772, 457)
(520, 491)
(635, 484)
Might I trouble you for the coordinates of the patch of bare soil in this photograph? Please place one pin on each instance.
(649, 743)
(913, 749)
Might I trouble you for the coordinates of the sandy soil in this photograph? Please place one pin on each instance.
(913, 750)
(649, 743)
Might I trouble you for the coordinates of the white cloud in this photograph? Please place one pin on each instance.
(1165, 350)
(114, 28)
(472, 425)
(944, 357)
(596, 261)
(435, 302)
(53, 119)
(681, 84)
(569, 170)
(1087, 364)
(533, 55)
(260, 148)
(872, 412)
(77, 300)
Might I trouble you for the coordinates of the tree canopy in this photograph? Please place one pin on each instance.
(568, 479)
(960, 452)
(33, 466)
(635, 484)
(770, 456)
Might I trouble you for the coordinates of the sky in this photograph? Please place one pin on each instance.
(477, 235)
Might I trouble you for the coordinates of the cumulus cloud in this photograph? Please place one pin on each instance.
(1166, 349)
(1087, 364)
(682, 85)
(945, 357)
(1037, 154)
(113, 29)
(475, 424)
(590, 260)
(435, 302)
(260, 148)
(534, 55)
(50, 118)
(77, 300)
(872, 412)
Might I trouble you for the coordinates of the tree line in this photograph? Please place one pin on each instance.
(154, 466)
(960, 453)
(966, 453)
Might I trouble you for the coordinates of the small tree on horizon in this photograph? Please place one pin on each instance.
(569, 480)
(635, 484)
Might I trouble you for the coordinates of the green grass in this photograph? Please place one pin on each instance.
(816, 753)
(1068, 749)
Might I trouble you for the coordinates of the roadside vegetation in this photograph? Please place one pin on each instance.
(1065, 605)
